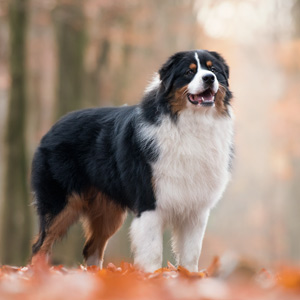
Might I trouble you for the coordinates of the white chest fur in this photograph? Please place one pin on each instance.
(191, 172)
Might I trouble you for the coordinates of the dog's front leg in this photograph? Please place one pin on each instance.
(146, 237)
(187, 241)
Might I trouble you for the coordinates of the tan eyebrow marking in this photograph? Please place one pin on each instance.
(193, 67)
(209, 63)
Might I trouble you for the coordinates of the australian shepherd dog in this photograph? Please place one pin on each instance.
(166, 159)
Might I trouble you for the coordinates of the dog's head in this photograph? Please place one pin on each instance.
(195, 80)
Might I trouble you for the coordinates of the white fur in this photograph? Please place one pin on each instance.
(190, 176)
(94, 260)
(154, 83)
(146, 240)
(192, 169)
(196, 86)
(187, 241)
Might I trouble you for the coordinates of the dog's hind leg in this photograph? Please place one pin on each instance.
(54, 228)
(102, 219)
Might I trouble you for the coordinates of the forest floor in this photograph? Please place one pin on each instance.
(238, 282)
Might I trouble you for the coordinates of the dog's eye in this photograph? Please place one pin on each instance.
(189, 72)
(213, 69)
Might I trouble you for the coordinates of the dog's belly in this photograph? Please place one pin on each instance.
(191, 172)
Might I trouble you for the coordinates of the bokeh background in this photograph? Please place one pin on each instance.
(61, 55)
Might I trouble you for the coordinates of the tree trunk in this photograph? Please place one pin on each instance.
(294, 204)
(70, 23)
(16, 224)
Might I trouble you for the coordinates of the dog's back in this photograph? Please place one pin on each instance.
(84, 167)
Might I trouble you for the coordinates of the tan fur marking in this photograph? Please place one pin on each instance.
(193, 67)
(178, 103)
(219, 101)
(59, 226)
(102, 218)
(209, 64)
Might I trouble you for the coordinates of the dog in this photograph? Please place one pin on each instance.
(166, 159)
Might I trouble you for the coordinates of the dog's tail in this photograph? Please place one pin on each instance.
(40, 238)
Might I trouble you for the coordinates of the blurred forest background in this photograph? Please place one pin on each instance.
(61, 55)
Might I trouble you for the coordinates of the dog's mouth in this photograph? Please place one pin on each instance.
(206, 98)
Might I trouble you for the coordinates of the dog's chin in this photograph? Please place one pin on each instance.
(205, 98)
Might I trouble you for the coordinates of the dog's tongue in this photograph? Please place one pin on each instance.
(206, 96)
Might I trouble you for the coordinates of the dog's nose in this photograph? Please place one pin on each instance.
(208, 78)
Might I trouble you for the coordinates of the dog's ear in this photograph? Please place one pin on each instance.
(167, 71)
(222, 60)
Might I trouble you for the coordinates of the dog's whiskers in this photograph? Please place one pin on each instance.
(222, 89)
(184, 94)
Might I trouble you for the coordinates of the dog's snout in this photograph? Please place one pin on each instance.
(208, 78)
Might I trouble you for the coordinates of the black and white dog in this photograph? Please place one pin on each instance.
(166, 159)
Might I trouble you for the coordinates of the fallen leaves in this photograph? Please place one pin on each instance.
(41, 281)
(289, 277)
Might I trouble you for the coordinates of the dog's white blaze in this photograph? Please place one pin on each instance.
(196, 86)
(198, 60)
(189, 176)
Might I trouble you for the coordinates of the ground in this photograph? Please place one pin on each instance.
(238, 282)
